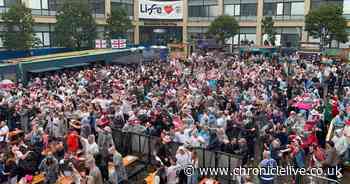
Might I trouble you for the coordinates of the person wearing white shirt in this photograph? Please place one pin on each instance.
(183, 158)
(171, 172)
(341, 144)
(89, 145)
(4, 130)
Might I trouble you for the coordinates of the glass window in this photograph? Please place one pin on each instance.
(2, 3)
(195, 11)
(213, 11)
(9, 3)
(44, 4)
(286, 8)
(46, 37)
(297, 8)
(248, 10)
(237, 10)
(346, 7)
(129, 8)
(205, 11)
(235, 39)
(251, 37)
(40, 37)
(35, 4)
(279, 8)
(270, 9)
(229, 9)
(97, 6)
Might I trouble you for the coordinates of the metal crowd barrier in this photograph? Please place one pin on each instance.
(143, 146)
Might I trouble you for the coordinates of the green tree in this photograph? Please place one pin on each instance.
(118, 23)
(75, 27)
(18, 23)
(267, 28)
(327, 22)
(223, 27)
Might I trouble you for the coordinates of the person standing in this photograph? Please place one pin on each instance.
(89, 145)
(104, 142)
(119, 174)
(95, 176)
(331, 161)
(183, 159)
(195, 163)
(50, 168)
(266, 165)
(4, 130)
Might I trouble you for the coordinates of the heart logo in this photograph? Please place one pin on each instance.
(168, 9)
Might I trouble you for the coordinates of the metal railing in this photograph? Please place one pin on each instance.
(143, 146)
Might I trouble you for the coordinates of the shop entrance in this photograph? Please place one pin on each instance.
(160, 35)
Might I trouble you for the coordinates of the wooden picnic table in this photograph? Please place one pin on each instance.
(65, 180)
(127, 161)
(14, 133)
(150, 178)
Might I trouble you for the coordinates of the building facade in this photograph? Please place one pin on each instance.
(186, 20)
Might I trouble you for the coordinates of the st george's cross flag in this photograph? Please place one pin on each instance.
(118, 43)
(100, 44)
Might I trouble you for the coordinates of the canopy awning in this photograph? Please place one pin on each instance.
(45, 70)
(76, 65)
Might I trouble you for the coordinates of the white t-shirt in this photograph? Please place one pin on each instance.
(184, 159)
(171, 174)
(3, 130)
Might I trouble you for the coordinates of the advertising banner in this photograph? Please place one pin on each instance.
(160, 10)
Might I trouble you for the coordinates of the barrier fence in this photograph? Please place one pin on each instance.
(143, 146)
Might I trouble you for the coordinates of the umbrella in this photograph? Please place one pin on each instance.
(302, 105)
(7, 84)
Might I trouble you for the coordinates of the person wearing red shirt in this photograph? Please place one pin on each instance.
(72, 141)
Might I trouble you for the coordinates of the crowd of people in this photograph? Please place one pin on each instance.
(278, 109)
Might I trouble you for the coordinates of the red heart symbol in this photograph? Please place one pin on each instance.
(168, 9)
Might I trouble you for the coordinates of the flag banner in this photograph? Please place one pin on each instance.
(118, 43)
(98, 44)
(104, 44)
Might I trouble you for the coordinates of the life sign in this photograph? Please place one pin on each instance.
(150, 10)
(160, 10)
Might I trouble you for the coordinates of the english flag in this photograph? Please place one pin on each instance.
(118, 43)
(100, 44)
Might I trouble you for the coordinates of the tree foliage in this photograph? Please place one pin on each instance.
(118, 23)
(223, 27)
(331, 18)
(267, 28)
(18, 23)
(75, 27)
